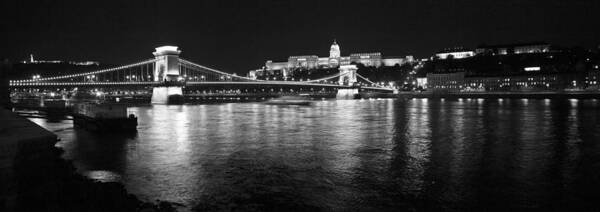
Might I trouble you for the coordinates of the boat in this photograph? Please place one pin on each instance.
(290, 100)
(104, 117)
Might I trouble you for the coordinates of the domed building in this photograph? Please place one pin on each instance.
(334, 54)
(334, 60)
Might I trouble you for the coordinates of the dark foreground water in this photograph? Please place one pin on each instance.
(354, 155)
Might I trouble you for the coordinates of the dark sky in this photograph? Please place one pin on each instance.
(239, 36)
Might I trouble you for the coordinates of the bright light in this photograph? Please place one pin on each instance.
(166, 50)
(537, 68)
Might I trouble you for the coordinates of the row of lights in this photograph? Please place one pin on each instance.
(37, 77)
(214, 70)
(76, 83)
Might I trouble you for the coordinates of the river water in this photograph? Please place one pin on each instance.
(383, 154)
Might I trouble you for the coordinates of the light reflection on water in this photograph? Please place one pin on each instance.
(353, 155)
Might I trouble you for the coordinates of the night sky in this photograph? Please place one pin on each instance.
(239, 36)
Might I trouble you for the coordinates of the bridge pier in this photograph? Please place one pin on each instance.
(347, 93)
(161, 95)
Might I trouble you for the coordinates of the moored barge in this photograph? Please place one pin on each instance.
(104, 117)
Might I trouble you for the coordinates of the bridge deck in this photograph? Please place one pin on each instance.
(268, 83)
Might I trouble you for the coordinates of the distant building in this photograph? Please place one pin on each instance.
(393, 61)
(34, 61)
(422, 82)
(307, 61)
(367, 59)
(270, 65)
(455, 53)
(450, 82)
(32, 68)
(525, 48)
(335, 59)
(593, 79)
(252, 74)
(516, 68)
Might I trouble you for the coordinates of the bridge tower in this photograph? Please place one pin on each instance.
(166, 69)
(347, 75)
(348, 78)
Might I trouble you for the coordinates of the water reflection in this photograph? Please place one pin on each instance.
(450, 154)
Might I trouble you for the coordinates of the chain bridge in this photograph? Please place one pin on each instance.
(167, 74)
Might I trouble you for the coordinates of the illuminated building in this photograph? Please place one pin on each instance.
(525, 48)
(367, 59)
(529, 67)
(446, 81)
(456, 53)
(252, 74)
(334, 55)
(457, 82)
(308, 61)
(422, 82)
(334, 60)
(593, 78)
(270, 65)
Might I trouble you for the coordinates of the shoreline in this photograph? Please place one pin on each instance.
(490, 95)
(36, 178)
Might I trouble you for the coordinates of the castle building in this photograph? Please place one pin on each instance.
(334, 60)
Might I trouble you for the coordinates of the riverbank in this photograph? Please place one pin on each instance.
(33, 176)
(488, 95)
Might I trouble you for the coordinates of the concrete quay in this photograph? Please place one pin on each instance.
(26, 150)
(33, 176)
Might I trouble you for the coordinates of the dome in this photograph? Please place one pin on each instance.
(334, 51)
(335, 46)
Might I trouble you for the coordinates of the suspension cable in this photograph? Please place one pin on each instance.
(328, 77)
(216, 71)
(92, 72)
(364, 78)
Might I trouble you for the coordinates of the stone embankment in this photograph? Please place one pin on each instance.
(33, 176)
